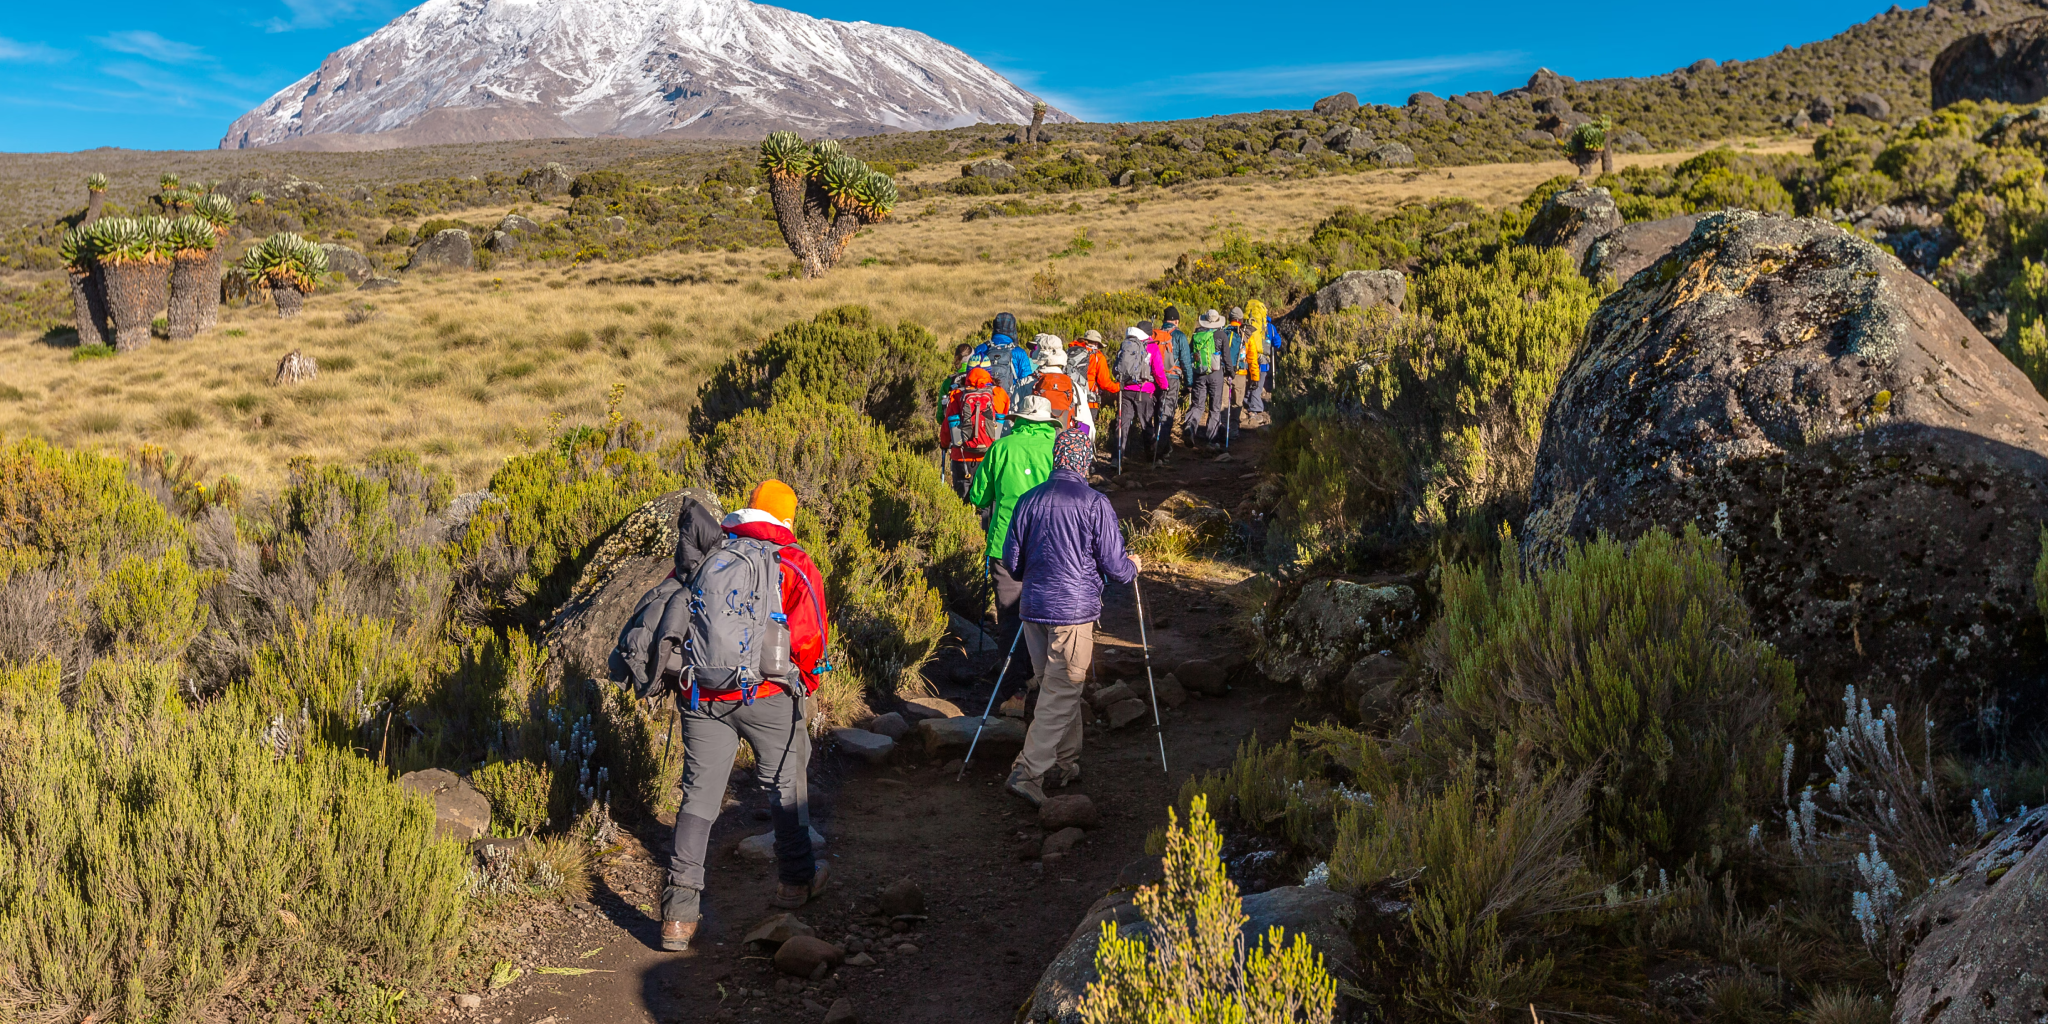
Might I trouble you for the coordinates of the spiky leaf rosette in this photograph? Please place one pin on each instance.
(785, 153)
(96, 182)
(285, 259)
(191, 234)
(875, 194)
(167, 183)
(218, 210)
(132, 239)
(79, 247)
(839, 176)
(824, 150)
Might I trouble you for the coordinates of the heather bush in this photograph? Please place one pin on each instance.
(890, 374)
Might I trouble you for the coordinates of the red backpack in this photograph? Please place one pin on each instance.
(1058, 388)
(977, 411)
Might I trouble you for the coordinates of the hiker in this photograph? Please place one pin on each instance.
(1055, 383)
(1180, 365)
(1207, 409)
(961, 354)
(1021, 460)
(731, 687)
(1262, 344)
(974, 422)
(1005, 360)
(1063, 541)
(1139, 369)
(1086, 356)
(697, 533)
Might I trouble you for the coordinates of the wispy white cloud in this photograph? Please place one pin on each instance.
(178, 90)
(29, 53)
(323, 13)
(149, 45)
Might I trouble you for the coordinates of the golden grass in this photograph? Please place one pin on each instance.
(468, 369)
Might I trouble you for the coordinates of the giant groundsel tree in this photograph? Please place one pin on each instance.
(822, 197)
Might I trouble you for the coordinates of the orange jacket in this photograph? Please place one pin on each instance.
(1100, 380)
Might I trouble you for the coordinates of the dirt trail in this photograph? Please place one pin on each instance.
(995, 919)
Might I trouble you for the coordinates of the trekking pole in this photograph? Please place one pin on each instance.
(983, 723)
(1146, 643)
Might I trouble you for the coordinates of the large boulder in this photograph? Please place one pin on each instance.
(2008, 64)
(1979, 937)
(460, 812)
(1392, 154)
(1876, 466)
(1546, 82)
(1312, 911)
(637, 554)
(1573, 219)
(1868, 104)
(1363, 289)
(349, 263)
(1627, 251)
(1331, 623)
(1342, 103)
(1348, 140)
(552, 179)
(449, 249)
(994, 168)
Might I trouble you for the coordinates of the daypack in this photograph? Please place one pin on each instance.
(731, 634)
(1058, 388)
(1077, 372)
(1002, 365)
(1169, 354)
(1133, 363)
(979, 424)
(1207, 359)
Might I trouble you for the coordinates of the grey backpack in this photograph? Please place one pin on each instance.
(1133, 363)
(731, 633)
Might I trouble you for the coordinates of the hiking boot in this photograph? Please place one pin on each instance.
(676, 935)
(1026, 788)
(790, 897)
(1061, 776)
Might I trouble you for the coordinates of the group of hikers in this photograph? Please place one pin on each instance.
(737, 632)
(1209, 383)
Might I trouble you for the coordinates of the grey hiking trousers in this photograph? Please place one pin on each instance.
(1206, 412)
(774, 727)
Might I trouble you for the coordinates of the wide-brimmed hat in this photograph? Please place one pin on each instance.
(1136, 334)
(1053, 357)
(1048, 343)
(1236, 312)
(1094, 337)
(1210, 321)
(1034, 409)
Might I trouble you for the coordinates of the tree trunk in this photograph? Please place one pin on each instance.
(786, 192)
(209, 298)
(1037, 125)
(1607, 160)
(189, 286)
(289, 299)
(839, 237)
(295, 368)
(128, 303)
(88, 307)
(93, 202)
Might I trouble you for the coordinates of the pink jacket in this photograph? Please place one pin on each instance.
(1158, 369)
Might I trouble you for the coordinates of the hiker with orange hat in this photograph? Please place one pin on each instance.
(975, 413)
(743, 660)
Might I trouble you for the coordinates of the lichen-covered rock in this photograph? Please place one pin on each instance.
(1874, 464)
(637, 554)
(1573, 219)
(1978, 940)
(549, 180)
(1331, 623)
(1348, 140)
(347, 262)
(992, 168)
(1392, 154)
(1342, 103)
(1633, 248)
(460, 812)
(449, 249)
(2008, 64)
(1361, 289)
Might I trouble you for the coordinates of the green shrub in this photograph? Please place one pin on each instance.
(1633, 661)
(150, 609)
(342, 672)
(67, 509)
(156, 861)
(1192, 964)
(891, 374)
(518, 792)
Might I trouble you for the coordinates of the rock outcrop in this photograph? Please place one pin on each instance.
(1627, 251)
(2008, 64)
(1342, 103)
(1360, 289)
(349, 263)
(1878, 468)
(460, 812)
(553, 179)
(1314, 639)
(628, 562)
(449, 249)
(1574, 219)
(1979, 937)
(1392, 154)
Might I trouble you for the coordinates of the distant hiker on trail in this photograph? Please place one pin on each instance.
(1005, 359)
(1057, 385)
(1262, 349)
(731, 686)
(975, 412)
(1017, 463)
(1180, 367)
(1140, 367)
(1211, 390)
(1063, 540)
(1086, 355)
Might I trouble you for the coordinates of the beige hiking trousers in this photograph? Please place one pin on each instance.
(1060, 655)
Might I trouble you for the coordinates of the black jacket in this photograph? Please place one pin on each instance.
(698, 531)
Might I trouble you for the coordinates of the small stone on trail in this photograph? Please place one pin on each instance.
(902, 897)
(803, 955)
(1028, 847)
(954, 766)
(468, 1001)
(891, 725)
(860, 960)
(762, 847)
(871, 747)
(1203, 676)
(778, 930)
(1113, 693)
(1073, 810)
(906, 949)
(917, 709)
(1060, 843)
(1171, 693)
(842, 1011)
(1001, 738)
(813, 1006)
(1124, 712)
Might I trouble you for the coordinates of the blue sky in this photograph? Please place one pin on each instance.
(172, 76)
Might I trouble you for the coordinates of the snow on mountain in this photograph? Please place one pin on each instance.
(483, 70)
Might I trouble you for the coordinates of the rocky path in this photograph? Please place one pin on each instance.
(994, 915)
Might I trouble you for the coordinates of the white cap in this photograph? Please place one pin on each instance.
(1134, 334)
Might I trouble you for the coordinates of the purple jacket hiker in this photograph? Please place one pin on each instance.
(1063, 539)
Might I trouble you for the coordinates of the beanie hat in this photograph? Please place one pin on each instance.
(1172, 314)
(1073, 451)
(775, 498)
